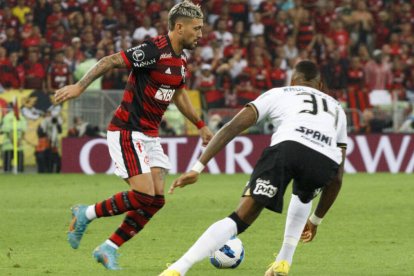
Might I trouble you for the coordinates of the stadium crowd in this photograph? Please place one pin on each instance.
(248, 46)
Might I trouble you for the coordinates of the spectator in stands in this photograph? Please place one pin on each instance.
(110, 20)
(88, 42)
(278, 32)
(12, 43)
(144, 31)
(78, 52)
(107, 41)
(9, 77)
(59, 73)
(290, 49)
(230, 50)
(222, 35)
(238, 10)
(395, 46)
(382, 29)
(205, 82)
(124, 40)
(237, 63)
(9, 20)
(41, 11)
(226, 87)
(268, 10)
(91, 57)
(34, 40)
(355, 79)
(334, 71)
(7, 146)
(277, 74)
(69, 58)
(27, 27)
(55, 18)
(319, 48)
(244, 89)
(304, 29)
(260, 75)
(31, 72)
(259, 49)
(324, 16)
(20, 11)
(362, 22)
(340, 37)
(257, 27)
(377, 72)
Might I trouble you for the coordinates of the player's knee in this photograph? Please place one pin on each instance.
(241, 225)
(143, 199)
(159, 202)
(305, 199)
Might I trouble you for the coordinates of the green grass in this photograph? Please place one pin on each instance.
(369, 231)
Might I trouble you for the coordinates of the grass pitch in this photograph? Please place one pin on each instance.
(367, 232)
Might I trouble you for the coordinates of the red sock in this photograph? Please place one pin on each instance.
(135, 221)
(122, 202)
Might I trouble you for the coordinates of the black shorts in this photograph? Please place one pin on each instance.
(279, 164)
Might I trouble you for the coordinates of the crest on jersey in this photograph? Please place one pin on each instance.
(138, 55)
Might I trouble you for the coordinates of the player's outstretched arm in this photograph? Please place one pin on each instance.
(101, 67)
(183, 103)
(328, 197)
(243, 120)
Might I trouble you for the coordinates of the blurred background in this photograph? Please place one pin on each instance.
(365, 50)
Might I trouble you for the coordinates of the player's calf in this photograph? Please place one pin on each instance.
(135, 221)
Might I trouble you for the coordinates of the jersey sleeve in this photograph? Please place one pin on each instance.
(341, 131)
(143, 56)
(262, 104)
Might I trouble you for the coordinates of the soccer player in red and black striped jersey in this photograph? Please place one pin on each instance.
(157, 78)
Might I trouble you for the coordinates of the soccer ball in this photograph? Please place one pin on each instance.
(230, 255)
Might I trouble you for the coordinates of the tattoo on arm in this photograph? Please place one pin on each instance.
(101, 67)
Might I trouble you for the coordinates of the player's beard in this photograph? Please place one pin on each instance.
(190, 45)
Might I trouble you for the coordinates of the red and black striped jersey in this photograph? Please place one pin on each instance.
(156, 73)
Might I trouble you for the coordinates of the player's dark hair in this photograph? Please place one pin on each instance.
(307, 69)
(183, 9)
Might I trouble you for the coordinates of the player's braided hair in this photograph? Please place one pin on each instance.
(183, 9)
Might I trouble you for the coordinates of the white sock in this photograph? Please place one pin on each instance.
(111, 244)
(297, 216)
(90, 212)
(211, 240)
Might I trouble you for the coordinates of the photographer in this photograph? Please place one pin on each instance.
(51, 126)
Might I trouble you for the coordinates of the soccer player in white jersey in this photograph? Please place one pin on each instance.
(308, 145)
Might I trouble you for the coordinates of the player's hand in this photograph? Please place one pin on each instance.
(206, 135)
(309, 232)
(184, 179)
(67, 92)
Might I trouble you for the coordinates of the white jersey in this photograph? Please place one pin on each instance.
(304, 115)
